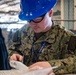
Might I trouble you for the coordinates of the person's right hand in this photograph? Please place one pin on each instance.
(16, 57)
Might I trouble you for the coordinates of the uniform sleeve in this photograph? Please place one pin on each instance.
(67, 64)
(16, 42)
(19, 35)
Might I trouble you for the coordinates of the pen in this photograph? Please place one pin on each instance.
(54, 67)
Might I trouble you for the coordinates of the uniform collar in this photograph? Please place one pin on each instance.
(50, 35)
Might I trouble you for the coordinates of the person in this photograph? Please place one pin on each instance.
(42, 43)
(4, 63)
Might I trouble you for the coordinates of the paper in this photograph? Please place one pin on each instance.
(39, 72)
(11, 72)
(18, 65)
(23, 72)
(21, 69)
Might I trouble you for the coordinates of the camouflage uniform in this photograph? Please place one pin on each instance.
(55, 45)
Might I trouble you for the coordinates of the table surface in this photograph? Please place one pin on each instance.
(18, 72)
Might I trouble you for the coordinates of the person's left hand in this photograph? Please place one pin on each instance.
(40, 65)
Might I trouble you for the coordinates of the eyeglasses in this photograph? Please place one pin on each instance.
(37, 20)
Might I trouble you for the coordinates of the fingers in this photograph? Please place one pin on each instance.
(35, 68)
(20, 58)
(16, 57)
(13, 57)
(51, 73)
(41, 64)
(42, 71)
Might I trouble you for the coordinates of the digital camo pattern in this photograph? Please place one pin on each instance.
(56, 51)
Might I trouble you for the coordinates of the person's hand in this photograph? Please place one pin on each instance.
(41, 65)
(16, 57)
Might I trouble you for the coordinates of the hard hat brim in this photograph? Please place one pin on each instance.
(36, 14)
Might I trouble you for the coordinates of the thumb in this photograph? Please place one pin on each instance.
(19, 57)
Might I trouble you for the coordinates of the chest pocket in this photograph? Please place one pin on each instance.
(72, 43)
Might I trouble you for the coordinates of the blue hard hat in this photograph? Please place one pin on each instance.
(31, 9)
